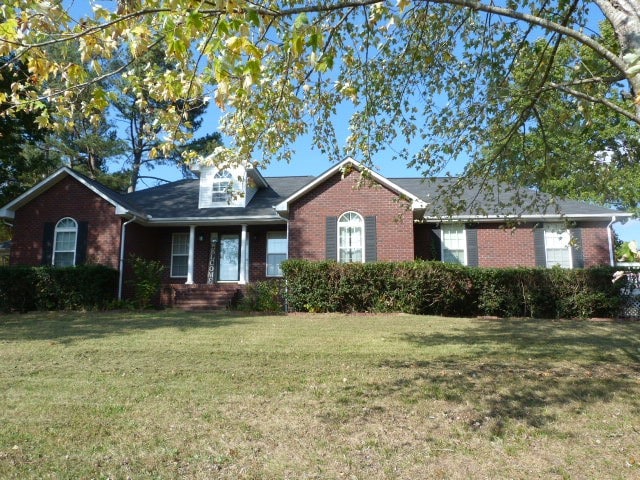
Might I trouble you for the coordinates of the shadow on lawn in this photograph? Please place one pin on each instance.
(529, 372)
(68, 327)
(582, 341)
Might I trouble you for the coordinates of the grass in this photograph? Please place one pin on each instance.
(185, 395)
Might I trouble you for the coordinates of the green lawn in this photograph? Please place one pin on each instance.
(184, 395)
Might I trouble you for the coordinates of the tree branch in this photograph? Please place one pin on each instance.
(603, 101)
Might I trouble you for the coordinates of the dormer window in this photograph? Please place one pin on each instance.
(220, 189)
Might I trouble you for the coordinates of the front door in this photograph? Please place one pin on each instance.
(229, 270)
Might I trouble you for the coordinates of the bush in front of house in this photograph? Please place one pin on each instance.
(147, 280)
(436, 288)
(85, 287)
(266, 296)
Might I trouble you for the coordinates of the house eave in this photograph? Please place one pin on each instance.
(215, 221)
(533, 217)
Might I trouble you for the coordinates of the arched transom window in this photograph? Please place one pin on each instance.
(350, 238)
(64, 243)
(220, 190)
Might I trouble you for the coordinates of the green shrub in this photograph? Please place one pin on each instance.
(147, 280)
(264, 296)
(17, 289)
(444, 289)
(84, 287)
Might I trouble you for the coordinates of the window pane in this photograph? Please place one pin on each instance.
(273, 264)
(277, 244)
(558, 256)
(63, 259)
(348, 255)
(180, 244)
(220, 191)
(179, 267)
(66, 241)
(557, 242)
(276, 252)
(453, 244)
(350, 238)
(66, 223)
(64, 250)
(180, 255)
(453, 256)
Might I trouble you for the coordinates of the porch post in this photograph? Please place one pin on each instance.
(243, 256)
(192, 243)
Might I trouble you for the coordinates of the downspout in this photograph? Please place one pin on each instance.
(10, 225)
(122, 240)
(609, 237)
(286, 287)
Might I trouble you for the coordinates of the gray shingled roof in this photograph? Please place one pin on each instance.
(493, 199)
(122, 199)
(180, 199)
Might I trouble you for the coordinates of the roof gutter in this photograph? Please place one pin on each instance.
(612, 259)
(123, 236)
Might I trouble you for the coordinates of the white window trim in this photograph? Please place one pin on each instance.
(173, 242)
(363, 237)
(55, 240)
(557, 227)
(464, 240)
(279, 235)
(222, 180)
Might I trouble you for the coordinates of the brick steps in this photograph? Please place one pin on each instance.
(203, 297)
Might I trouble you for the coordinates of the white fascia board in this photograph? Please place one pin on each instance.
(34, 191)
(416, 203)
(257, 176)
(557, 217)
(204, 221)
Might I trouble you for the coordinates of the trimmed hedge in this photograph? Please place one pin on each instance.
(436, 288)
(83, 287)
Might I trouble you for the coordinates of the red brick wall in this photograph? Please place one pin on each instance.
(595, 243)
(500, 246)
(68, 198)
(307, 218)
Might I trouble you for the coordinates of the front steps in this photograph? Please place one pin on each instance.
(201, 296)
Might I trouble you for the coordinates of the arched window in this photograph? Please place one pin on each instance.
(220, 190)
(64, 243)
(350, 238)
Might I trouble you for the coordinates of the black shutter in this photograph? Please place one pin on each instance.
(81, 243)
(370, 239)
(47, 243)
(577, 253)
(331, 239)
(472, 245)
(436, 244)
(538, 245)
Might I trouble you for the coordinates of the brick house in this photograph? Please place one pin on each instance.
(230, 227)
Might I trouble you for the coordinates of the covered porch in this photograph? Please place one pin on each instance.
(209, 266)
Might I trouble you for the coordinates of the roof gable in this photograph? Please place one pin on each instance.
(112, 197)
(416, 202)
